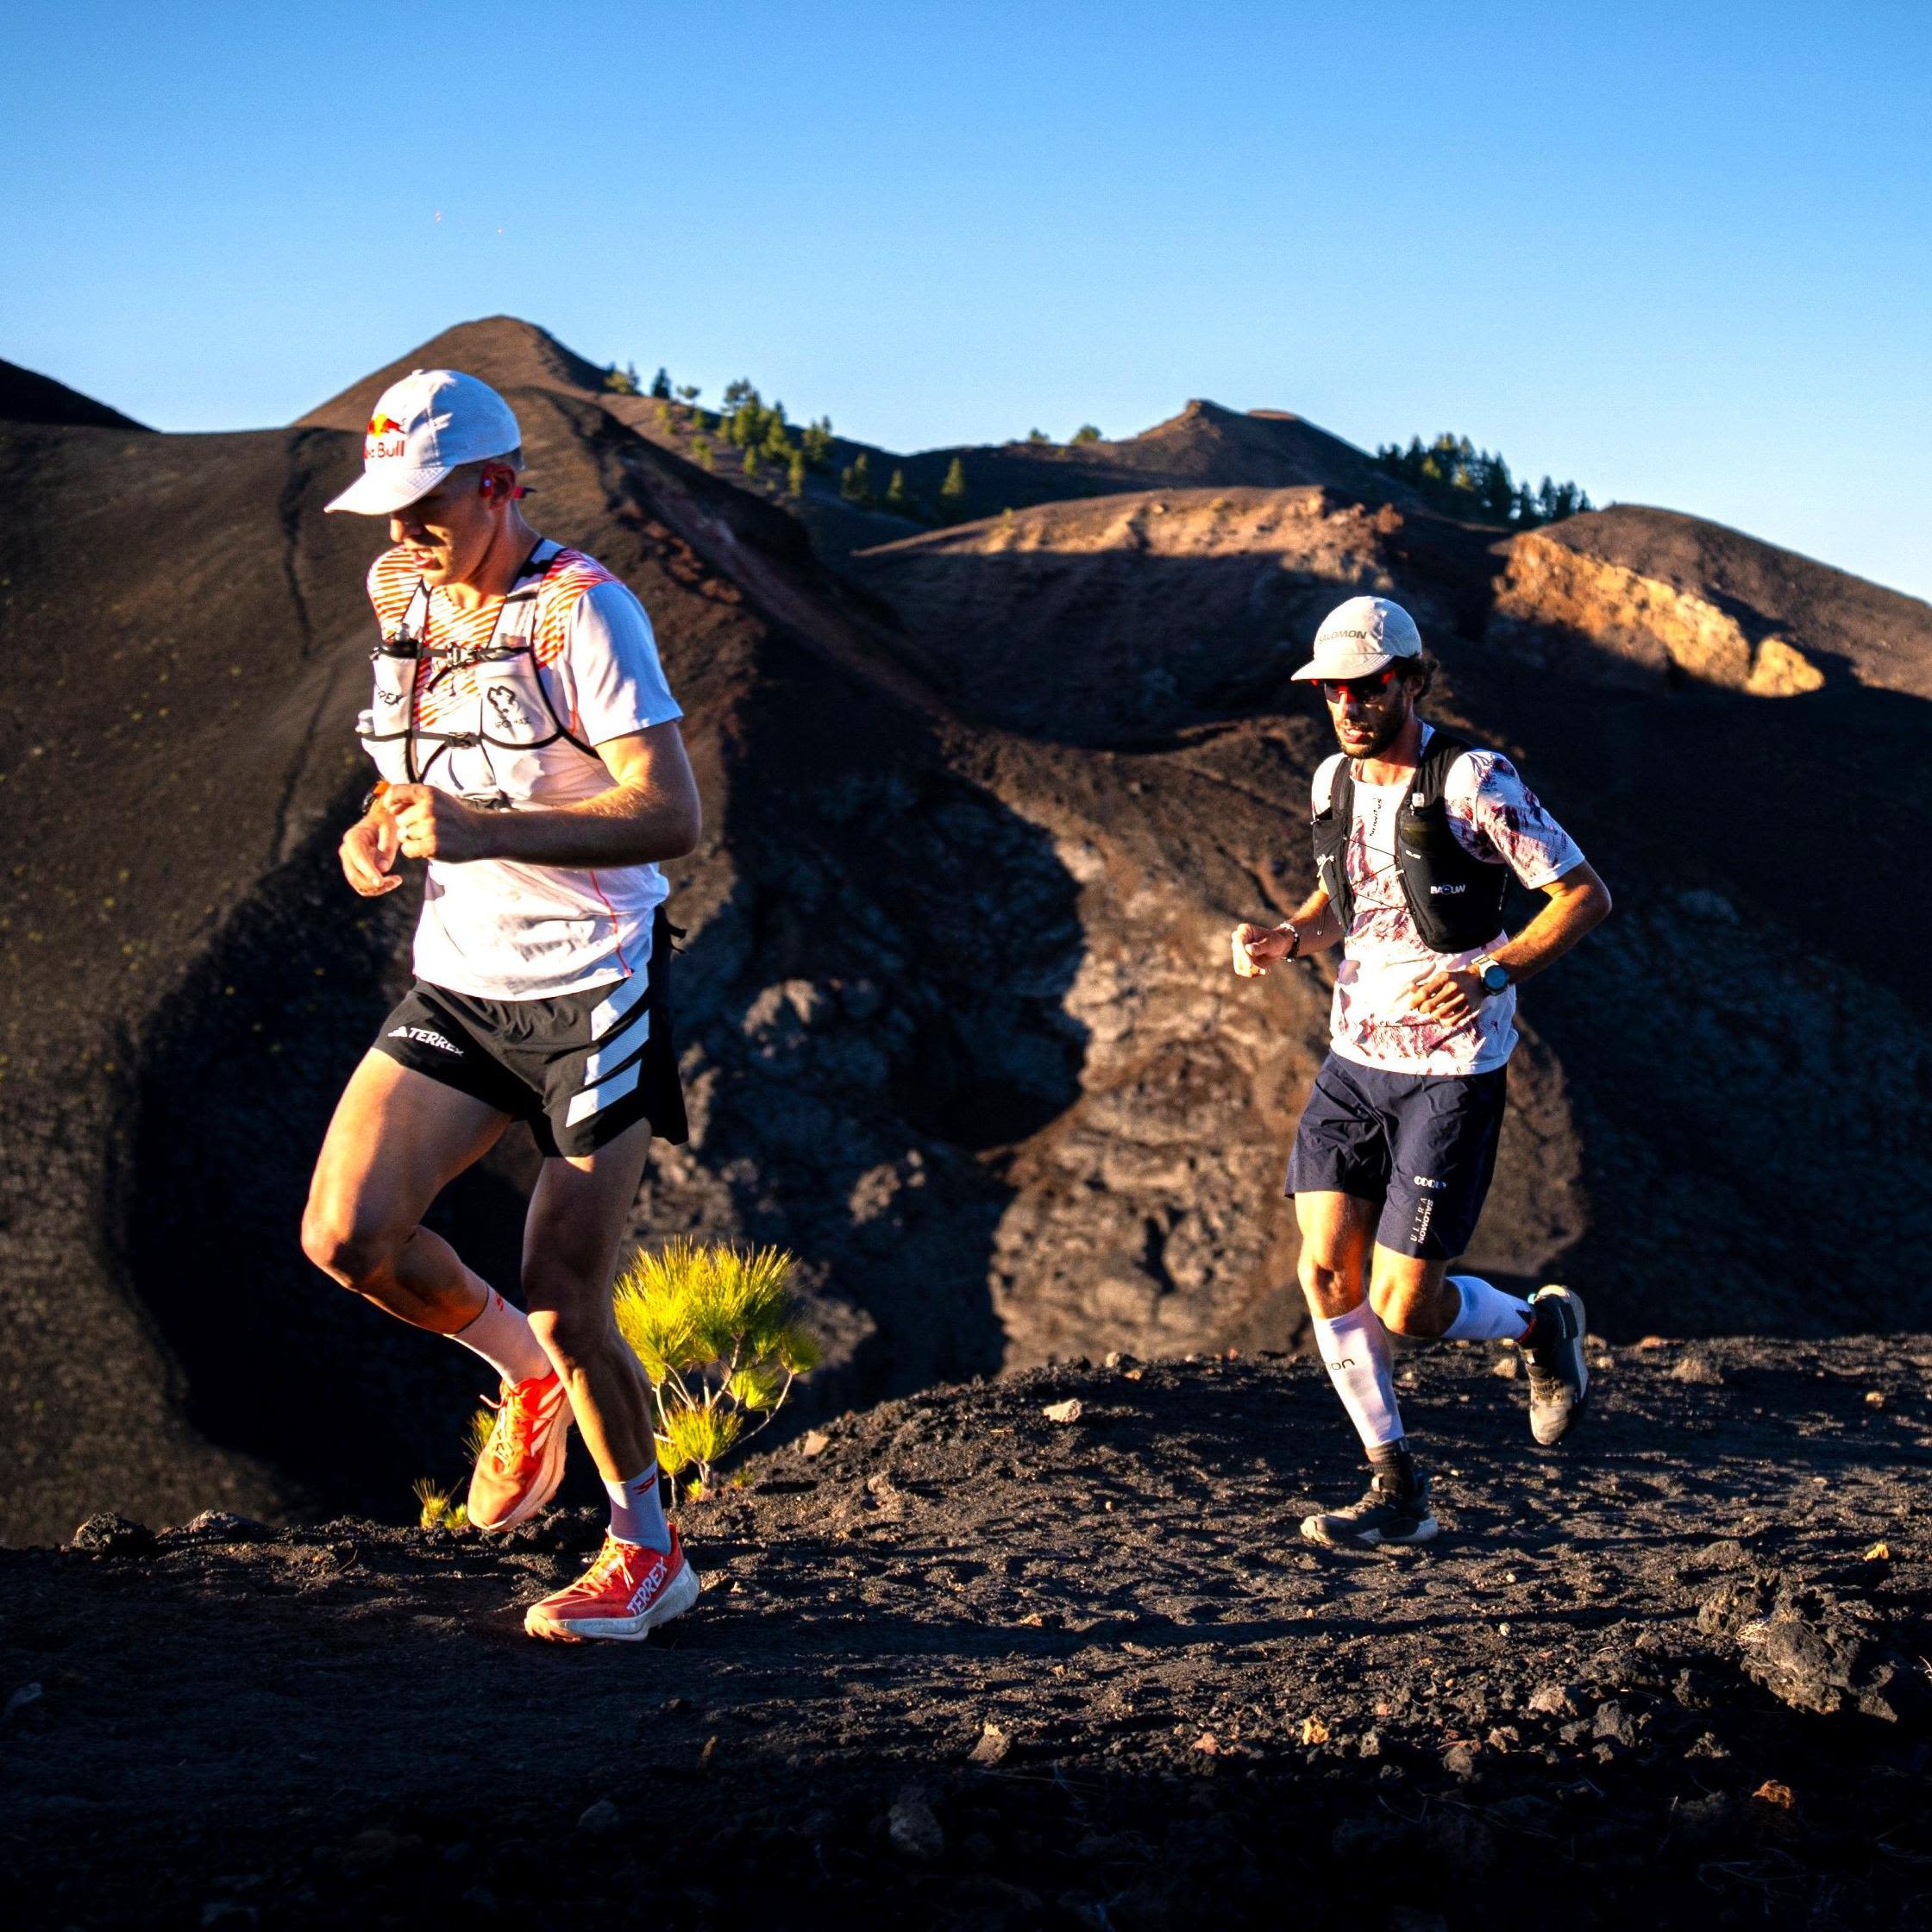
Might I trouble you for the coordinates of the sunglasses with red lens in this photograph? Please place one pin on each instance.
(1335, 690)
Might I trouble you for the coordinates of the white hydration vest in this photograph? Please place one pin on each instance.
(501, 745)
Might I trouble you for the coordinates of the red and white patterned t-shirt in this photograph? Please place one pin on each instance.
(1494, 816)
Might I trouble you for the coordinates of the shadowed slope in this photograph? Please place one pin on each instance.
(187, 980)
(25, 397)
(1717, 1073)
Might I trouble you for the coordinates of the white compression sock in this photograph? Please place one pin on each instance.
(502, 1335)
(1355, 1351)
(1487, 1313)
(637, 1512)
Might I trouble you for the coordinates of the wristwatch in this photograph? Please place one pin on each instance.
(1494, 975)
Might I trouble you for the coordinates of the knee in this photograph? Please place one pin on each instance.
(571, 1328)
(1406, 1309)
(344, 1248)
(1328, 1290)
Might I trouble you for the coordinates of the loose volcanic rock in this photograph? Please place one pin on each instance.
(105, 1534)
(1812, 1648)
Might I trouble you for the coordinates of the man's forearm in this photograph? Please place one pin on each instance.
(1316, 926)
(621, 826)
(1558, 925)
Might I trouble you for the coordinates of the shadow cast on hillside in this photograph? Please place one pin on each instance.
(880, 1001)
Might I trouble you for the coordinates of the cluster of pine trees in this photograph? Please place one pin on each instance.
(746, 422)
(854, 485)
(1461, 481)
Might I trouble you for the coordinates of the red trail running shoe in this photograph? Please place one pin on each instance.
(521, 1464)
(626, 1593)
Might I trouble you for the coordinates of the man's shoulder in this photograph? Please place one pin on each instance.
(575, 585)
(392, 581)
(1323, 789)
(1476, 770)
(572, 576)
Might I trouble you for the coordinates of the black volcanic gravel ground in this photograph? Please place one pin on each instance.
(973, 1667)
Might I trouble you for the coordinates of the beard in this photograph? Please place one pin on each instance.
(1382, 733)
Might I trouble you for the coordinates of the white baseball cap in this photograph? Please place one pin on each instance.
(1360, 636)
(431, 423)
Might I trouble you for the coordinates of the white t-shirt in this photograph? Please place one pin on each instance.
(1494, 816)
(503, 929)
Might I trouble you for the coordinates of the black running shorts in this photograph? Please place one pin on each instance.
(580, 1069)
(1423, 1146)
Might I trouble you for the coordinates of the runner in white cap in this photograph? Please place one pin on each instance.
(1416, 835)
(530, 755)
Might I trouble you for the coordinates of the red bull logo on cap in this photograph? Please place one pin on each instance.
(384, 441)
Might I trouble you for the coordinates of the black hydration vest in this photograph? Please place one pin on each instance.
(1456, 901)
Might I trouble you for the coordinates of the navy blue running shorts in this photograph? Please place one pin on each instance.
(1421, 1144)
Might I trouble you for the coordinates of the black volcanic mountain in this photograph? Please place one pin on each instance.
(957, 1022)
(25, 397)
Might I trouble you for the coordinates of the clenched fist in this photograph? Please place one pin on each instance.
(1256, 947)
(432, 824)
(368, 855)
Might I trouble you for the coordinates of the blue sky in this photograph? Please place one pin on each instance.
(1681, 254)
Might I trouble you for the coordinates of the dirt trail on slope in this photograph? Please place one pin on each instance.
(978, 1668)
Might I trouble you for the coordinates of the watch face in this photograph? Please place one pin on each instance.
(1495, 977)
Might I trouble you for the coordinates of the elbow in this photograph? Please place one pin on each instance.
(684, 832)
(1604, 904)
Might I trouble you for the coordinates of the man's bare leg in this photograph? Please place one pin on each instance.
(577, 1216)
(641, 1578)
(1337, 1230)
(1422, 1298)
(397, 1141)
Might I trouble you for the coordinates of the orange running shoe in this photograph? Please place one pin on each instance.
(521, 1464)
(626, 1593)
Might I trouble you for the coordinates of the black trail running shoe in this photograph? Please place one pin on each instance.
(1394, 1508)
(1558, 1375)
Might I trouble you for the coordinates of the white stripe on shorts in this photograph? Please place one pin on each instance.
(607, 1013)
(617, 1048)
(594, 1100)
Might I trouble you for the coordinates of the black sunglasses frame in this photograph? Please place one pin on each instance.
(1373, 684)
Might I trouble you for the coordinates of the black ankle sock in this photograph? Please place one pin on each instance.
(1395, 1464)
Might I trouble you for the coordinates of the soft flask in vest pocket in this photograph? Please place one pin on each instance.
(1455, 900)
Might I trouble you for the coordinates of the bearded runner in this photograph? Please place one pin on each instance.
(1417, 835)
(528, 756)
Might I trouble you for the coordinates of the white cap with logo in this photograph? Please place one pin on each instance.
(431, 423)
(1360, 636)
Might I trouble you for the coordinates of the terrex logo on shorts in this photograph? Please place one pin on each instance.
(427, 1037)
